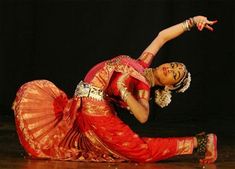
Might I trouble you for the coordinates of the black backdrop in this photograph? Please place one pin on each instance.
(61, 40)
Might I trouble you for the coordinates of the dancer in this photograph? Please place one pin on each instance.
(86, 127)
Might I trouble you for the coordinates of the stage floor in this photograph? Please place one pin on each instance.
(12, 156)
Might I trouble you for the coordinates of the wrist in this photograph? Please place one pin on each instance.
(124, 93)
(188, 24)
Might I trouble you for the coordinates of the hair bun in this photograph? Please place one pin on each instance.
(162, 97)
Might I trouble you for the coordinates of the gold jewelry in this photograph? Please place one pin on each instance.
(124, 93)
(148, 74)
(188, 24)
(124, 97)
(122, 87)
(84, 89)
(185, 25)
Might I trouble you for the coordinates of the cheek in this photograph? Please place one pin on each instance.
(166, 80)
(169, 80)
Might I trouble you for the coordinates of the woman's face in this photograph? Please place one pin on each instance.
(169, 73)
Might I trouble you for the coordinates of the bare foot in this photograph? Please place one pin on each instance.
(211, 150)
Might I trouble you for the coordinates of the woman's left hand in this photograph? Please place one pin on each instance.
(202, 22)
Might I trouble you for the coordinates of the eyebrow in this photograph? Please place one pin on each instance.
(176, 64)
(178, 71)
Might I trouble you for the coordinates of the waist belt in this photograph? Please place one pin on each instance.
(87, 90)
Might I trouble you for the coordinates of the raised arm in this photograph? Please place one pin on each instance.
(172, 32)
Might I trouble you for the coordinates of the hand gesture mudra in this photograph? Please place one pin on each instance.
(202, 22)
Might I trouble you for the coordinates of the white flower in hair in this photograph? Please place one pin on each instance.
(186, 84)
(163, 97)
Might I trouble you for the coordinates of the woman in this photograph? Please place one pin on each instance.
(86, 128)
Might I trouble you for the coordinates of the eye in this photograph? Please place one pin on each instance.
(174, 75)
(172, 65)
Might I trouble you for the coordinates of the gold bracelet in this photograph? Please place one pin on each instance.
(188, 24)
(124, 93)
(124, 97)
(185, 25)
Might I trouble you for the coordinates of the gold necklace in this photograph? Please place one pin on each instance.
(148, 74)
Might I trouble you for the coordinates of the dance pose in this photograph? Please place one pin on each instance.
(86, 127)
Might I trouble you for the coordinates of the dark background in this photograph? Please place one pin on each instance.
(61, 40)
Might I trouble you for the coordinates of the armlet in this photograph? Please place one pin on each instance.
(146, 57)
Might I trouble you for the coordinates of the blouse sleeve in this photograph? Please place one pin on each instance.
(142, 91)
(146, 59)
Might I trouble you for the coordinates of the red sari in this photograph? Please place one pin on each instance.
(50, 125)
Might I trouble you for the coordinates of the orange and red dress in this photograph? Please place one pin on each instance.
(86, 127)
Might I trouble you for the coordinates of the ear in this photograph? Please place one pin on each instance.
(169, 87)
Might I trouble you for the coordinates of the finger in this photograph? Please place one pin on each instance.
(199, 26)
(203, 25)
(212, 22)
(209, 28)
(215, 21)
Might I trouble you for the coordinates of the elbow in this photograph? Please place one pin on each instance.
(162, 36)
(144, 118)
(142, 121)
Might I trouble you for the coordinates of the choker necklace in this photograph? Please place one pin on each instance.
(148, 74)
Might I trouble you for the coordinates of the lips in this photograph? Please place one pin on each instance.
(164, 69)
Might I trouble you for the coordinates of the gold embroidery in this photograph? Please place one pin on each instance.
(101, 78)
(143, 146)
(103, 149)
(126, 144)
(96, 108)
(120, 133)
(185, 146)
(165, 152)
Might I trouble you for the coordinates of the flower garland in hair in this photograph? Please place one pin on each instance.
(186, 83)
(163, 97)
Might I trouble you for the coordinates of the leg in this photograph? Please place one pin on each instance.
(118, 137)
(163, 148)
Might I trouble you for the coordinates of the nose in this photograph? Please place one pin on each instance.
(169, 69)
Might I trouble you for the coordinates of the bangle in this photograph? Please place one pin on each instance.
(123, 90)
(188, 24)
(185, 25)
(124, 97)
(124, 93)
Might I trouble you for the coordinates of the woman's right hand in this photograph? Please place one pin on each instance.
(122, 88)
(202, 22)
